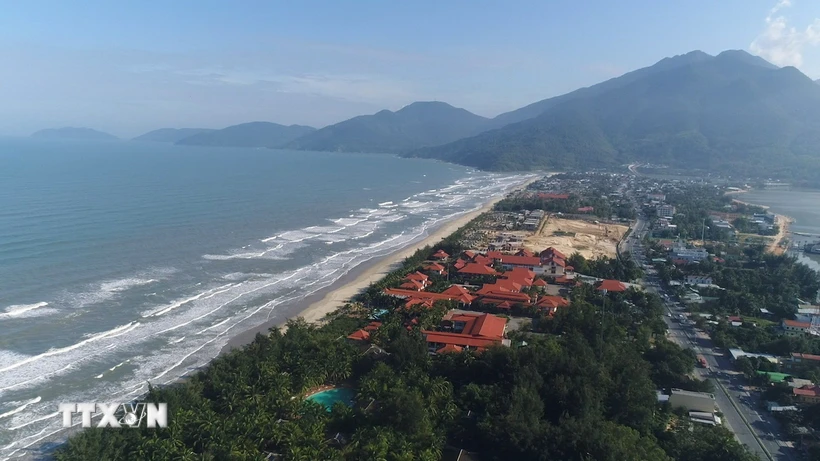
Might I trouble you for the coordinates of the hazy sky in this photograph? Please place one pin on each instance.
(131, 68)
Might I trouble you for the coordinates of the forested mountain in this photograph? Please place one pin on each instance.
(253, 134)
(73, 133)
(731, 112)
(418, 125)
(170, 134)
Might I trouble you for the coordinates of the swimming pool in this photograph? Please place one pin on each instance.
(331, 396)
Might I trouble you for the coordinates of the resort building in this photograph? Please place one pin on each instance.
(611, 285)
(466, 331)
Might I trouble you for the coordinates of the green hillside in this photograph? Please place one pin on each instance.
(417, 125)
(733, 112)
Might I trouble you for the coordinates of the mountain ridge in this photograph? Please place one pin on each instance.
(422, 123)
(70, 132)
(251, 134)
(170, 134)
(733, 112)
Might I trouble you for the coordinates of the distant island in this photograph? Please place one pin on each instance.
(171, 134)
(73, 133)
(253, 134)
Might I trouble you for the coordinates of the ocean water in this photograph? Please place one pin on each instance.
(123, 262)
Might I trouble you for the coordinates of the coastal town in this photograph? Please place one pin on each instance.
(701, 329)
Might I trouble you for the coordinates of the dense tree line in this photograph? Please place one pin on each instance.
(623, 268)
(602, 207)
(584, 389)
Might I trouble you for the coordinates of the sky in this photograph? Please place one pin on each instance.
(130, 67)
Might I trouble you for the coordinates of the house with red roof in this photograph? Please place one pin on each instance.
(459, 264)
(610, 285)
(415, 281)
(359, 335)
(797, 357)
(484, 260)
(440, 255)
(469, 254)
(477, 269)
(466, 331)
(524, 252)
(540, 284)
(795, 328)
(435, 268)
(551, 304)
(807, 394)
(423, 296)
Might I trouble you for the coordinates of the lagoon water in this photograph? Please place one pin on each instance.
(801, 205)
(123, 263)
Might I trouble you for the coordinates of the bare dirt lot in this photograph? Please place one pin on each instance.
(590, 239)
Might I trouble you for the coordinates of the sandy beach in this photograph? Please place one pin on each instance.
(324, 302)
(783, 223)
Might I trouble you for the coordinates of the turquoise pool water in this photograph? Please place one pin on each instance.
(331, 396)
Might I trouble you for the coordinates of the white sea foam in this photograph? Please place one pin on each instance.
(62, 350)
(182, 302)
(29, 423)
(20, 408)
(18, 310)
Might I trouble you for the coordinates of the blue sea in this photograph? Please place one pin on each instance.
(125, 262)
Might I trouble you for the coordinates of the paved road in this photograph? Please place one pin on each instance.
(754, 428)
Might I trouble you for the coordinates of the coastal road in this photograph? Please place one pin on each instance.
(742, 415)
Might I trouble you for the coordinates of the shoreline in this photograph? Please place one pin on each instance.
(783, 221)
(318, 305)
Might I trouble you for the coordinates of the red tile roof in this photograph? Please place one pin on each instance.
(482, 325)
(812, 357)
(412, 285)
(586, 209)
(504, 305)
(428, 303)
(808, 391)
(418, 276)
(373, 326)
(513, 260)
(359, 335)
(423, 295)
(553, 252)
(477, 269)
(611, 285)
(481, 259)
(441, 254)
(524, 252)
(558, 261)
(456, 290)
(495, 254)
(540, 283)
(450, 348)
(458, 339)
(796, 324)
(470, 254)
(435, 267)
(552, 301)
(459, 263)
(493, 297)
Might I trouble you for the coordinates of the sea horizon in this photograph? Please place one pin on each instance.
(124, 263)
